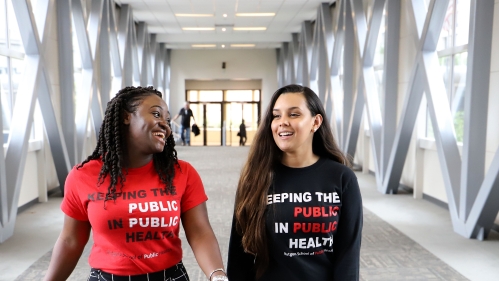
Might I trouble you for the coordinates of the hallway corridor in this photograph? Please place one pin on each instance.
(403, 238)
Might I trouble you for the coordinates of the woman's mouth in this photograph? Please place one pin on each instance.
(159, 135)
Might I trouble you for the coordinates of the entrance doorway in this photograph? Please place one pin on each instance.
(209, 119)
(235, 113)
(219, 113)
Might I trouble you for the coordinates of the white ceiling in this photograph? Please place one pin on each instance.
(161, 19)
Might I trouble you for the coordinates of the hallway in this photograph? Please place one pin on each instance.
(403, 238)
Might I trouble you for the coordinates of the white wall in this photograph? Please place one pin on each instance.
(207, 64)
(29, 185)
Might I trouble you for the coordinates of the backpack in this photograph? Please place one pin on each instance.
(195, 130)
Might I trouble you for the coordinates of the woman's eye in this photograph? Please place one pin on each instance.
(156, 114)
(275, 116)
(295, 114)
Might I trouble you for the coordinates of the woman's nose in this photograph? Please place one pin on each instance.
(284, 122)
(164, 124)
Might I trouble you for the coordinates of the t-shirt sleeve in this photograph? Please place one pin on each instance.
(72, 203)
(194, 190)
(346, 252)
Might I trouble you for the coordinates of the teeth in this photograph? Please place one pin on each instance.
(285, 134)
(159, 134)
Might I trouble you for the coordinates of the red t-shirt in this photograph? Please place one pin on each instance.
(139, 233)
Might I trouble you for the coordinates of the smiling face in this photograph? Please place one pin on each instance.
(293, 125)
(148, 129)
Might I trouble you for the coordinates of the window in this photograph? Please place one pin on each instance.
(378, 64)
(11, 63)
(77, 70)
(242, 95)
(379, 61)
(452, 51)
(205, 96)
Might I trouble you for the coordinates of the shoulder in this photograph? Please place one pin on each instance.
(91, 168)
(336, 169)
(80, 177)
(183, 163)
(185, 167)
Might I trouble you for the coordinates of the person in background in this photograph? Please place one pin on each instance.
(185, 123)
(132, 193)
(298, 207)
(242, 133)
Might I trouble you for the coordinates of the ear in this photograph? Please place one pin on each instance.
(126, 118)
(317, 122)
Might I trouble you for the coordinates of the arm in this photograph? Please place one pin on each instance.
(202, 240)
(68, 248)
(346, 254)
(194, 119)
(176, 117)
(239, 264)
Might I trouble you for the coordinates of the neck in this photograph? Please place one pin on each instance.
(135, 161)
(294, 160)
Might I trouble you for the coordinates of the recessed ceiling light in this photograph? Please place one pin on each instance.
(198, 28)
(255, 14)
(242, 45)
(224, 15)
(224, 29)
(194, 15)
(223, 46)
(249, 28)
(203, 45)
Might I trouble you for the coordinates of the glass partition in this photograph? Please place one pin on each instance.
(219, 111)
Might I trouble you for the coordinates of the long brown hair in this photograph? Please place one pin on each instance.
(257, 174)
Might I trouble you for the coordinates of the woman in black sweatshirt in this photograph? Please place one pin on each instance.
(298, 207)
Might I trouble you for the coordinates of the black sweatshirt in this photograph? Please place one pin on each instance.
(313, 224)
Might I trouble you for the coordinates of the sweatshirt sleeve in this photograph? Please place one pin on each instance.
(240, 265)
(346, 246)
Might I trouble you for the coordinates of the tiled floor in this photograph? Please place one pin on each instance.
(403, 238)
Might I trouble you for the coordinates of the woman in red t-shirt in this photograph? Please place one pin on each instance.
(132, 192)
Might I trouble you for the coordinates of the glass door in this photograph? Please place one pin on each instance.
(213, 124)
(235, 113)
(219, 114)
(209, 119)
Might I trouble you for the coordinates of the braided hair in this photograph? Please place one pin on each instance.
(111, 144)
